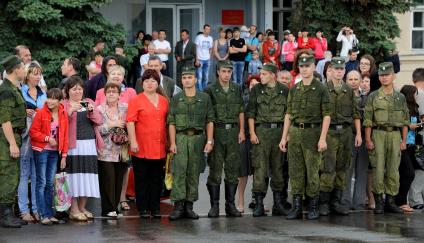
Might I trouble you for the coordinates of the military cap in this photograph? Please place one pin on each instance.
(338, 62)
(385, 68)
(270, 67)
(306, 60)
(225, 64)
(188, 70)
(10, 62)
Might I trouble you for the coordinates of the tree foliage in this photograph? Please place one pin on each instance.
(373, 22)
(54, 30)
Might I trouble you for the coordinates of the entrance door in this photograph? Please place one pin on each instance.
(173, 18)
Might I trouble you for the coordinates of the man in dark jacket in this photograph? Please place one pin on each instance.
(185, 54)
(97, 82)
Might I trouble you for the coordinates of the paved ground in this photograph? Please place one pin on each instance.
(358, 227)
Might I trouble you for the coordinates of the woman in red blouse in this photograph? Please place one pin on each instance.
(271, 50)
(146, 123)
(304, 42)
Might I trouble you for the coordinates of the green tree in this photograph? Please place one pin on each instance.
(54, 30)
(373, 21)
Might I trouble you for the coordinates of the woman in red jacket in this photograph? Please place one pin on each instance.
(271, 50)
(303, 41)
(49, 139)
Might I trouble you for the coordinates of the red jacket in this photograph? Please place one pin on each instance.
(308, 45)
(40, 130)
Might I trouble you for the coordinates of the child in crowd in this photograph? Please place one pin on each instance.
(255, 64)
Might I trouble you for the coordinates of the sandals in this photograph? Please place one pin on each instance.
(46, 221)
(78, 217)
(406, 208)
(124, 205)
(27, 217)
(88, 215)
(54, 220)
(36, 217)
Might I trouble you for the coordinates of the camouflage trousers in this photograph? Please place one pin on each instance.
(225, 154)
(188, 163)
(9, 171)
(337, 160)
(267, 160)
(304, 160)
(385, 160)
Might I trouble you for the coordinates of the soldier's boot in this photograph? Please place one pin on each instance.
(379, 209)
(313, 212)
(259, 209)
(230, 207)
(7, 220)
(284, 196)
(178, 211)
(189, 213)
(337, 207)
(214, 195)
(390, 206)
(324, 200)
(278, 207)
(297, 210)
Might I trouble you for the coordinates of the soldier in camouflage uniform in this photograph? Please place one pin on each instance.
(306, 123)
(337, 158)
(13, 122)
(386, 121)
(227, 101)
(190, 114)
(265, 112)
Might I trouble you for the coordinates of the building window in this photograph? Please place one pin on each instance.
(418, 25)
(282, 10)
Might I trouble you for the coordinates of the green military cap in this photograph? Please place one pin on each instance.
(385, 68)
(270, 67)
(338, 62)
(225, 64)
(306, 60)
(188, 70)
(10, 62)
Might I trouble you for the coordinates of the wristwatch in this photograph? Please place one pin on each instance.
(210, 142)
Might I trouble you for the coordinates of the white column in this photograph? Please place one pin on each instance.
(268, 14)
(254, 12)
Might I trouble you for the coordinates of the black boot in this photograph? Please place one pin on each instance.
(336, 203)
(297, 211)
(313, 212)
(378, 204)
(230, 193)
(214, 195)
(7, 220)
(324, 200)
(259, 209)
(390, 205)
(178, 211)
(189, 213)
(278, 207)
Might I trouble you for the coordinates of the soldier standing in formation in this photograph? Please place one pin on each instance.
(266, 110)
(13, 123)
(227, 101)
(306, 123)
(337, 159)
(191, 113)
(386, 121)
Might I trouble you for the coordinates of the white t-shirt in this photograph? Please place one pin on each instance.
(203, 44)
(162, 45)
(144, 59)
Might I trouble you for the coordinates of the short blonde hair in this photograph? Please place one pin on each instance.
(117, 68)
(32, 67)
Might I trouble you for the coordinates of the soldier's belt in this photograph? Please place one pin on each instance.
(226, 125)
(270, 125)
(18, 130)
(387, 128)
(191, 132)
(338, 127)
(306, 125)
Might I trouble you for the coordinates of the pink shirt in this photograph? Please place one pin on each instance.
(320, 47)
(289, 50)
(125, 96)
(54, 127)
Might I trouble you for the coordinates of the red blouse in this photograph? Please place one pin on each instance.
(150, 126)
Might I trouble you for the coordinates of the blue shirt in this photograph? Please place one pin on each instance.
(30, 102)
(253, 41)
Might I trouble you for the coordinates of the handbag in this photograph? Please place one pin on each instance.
(62, 197)
(119, 135)
(124, 156)
(169, 178)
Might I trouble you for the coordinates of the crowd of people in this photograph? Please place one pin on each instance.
(331, 131)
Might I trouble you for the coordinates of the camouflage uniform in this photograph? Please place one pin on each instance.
(386, 114)
(12, 106)
(228, 105)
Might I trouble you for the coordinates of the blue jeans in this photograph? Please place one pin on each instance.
(238, 68)
(27, 168)
(46, 164)
(202, 74)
